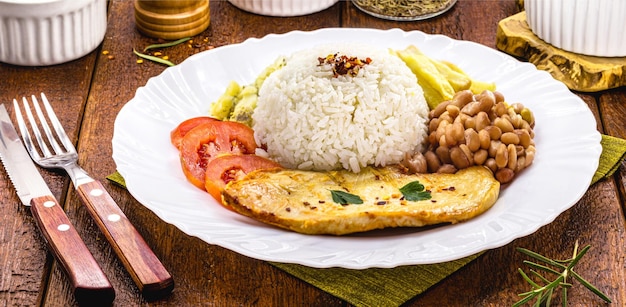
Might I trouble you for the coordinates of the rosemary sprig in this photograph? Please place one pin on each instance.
(155, 46)
(543, 293)
(153, 58)
(168, 44)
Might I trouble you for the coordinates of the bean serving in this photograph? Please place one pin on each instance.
(478, 129)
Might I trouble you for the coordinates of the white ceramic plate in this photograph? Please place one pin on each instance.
(568, 149)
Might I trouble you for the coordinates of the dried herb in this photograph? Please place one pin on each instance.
(414, 191)
(168, 44)
(153, 58)
(403, 8)
(156, 46)
(563, 269)
(345, 198)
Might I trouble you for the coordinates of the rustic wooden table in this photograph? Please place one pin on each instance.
(88, 93)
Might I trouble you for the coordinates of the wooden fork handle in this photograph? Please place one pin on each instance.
(153, 280)
(90, 284)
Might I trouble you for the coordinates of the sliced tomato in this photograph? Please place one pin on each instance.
(176, 136)
(209, 140)
(224, 169)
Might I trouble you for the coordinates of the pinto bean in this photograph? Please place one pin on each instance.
(512, 152)
(510, 138)
(480, 156)
(447, 169)
(433, 124)
(449, 136)
(487, 100)
(498, 96)
(472, 140)
(502, 156)
(524, 137)
(530, 155)
(454, 134)
(483, 104)
(443, 152)
(482, 120)
(505, 175)
(468, 153)
(439, 109)
(462, 98)
(500, 109)
(504, 124)
(432, 161)
(484, 138)
(521, 164)
(458, 157)
(493, 147)
(491, 164)
(415, 163)
(470, 122)
(453, 110)
(494, 132)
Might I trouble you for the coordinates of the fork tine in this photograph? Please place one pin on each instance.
(28, 141)
(56, 124)
(46, 128)
(33, 124)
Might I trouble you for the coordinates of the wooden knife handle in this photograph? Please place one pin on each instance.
(90, 284)
(153, 280)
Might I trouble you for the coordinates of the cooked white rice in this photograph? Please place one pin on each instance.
(310, 120)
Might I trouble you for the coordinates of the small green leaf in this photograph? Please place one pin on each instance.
(414, 191)
(345, 198)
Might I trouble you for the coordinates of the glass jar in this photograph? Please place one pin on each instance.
(404, 10)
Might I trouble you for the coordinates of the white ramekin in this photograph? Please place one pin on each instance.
(48, 32)
(283, 8)
(590, 27)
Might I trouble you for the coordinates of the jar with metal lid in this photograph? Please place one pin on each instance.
(404, 10)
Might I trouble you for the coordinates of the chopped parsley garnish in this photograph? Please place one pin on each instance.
(414, 191)
(345, 198)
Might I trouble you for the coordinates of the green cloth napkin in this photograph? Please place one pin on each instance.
(613, 153)
(395, 286)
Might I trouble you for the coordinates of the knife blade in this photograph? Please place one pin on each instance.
(89, 283)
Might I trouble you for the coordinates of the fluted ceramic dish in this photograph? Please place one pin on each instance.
(283, 8)
(568, 149)
(590, 27)
(48, 32)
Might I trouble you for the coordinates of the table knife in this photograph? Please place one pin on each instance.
(89, 283)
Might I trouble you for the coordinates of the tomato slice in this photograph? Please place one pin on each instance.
(176, 136)
(227, 168)
(209, 140)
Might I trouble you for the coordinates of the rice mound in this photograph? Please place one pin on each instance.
(308, 119)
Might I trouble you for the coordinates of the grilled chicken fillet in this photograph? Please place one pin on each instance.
(301, 200)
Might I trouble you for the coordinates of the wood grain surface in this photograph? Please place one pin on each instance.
(88, 93)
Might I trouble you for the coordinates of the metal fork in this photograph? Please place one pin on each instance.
(146, 270)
